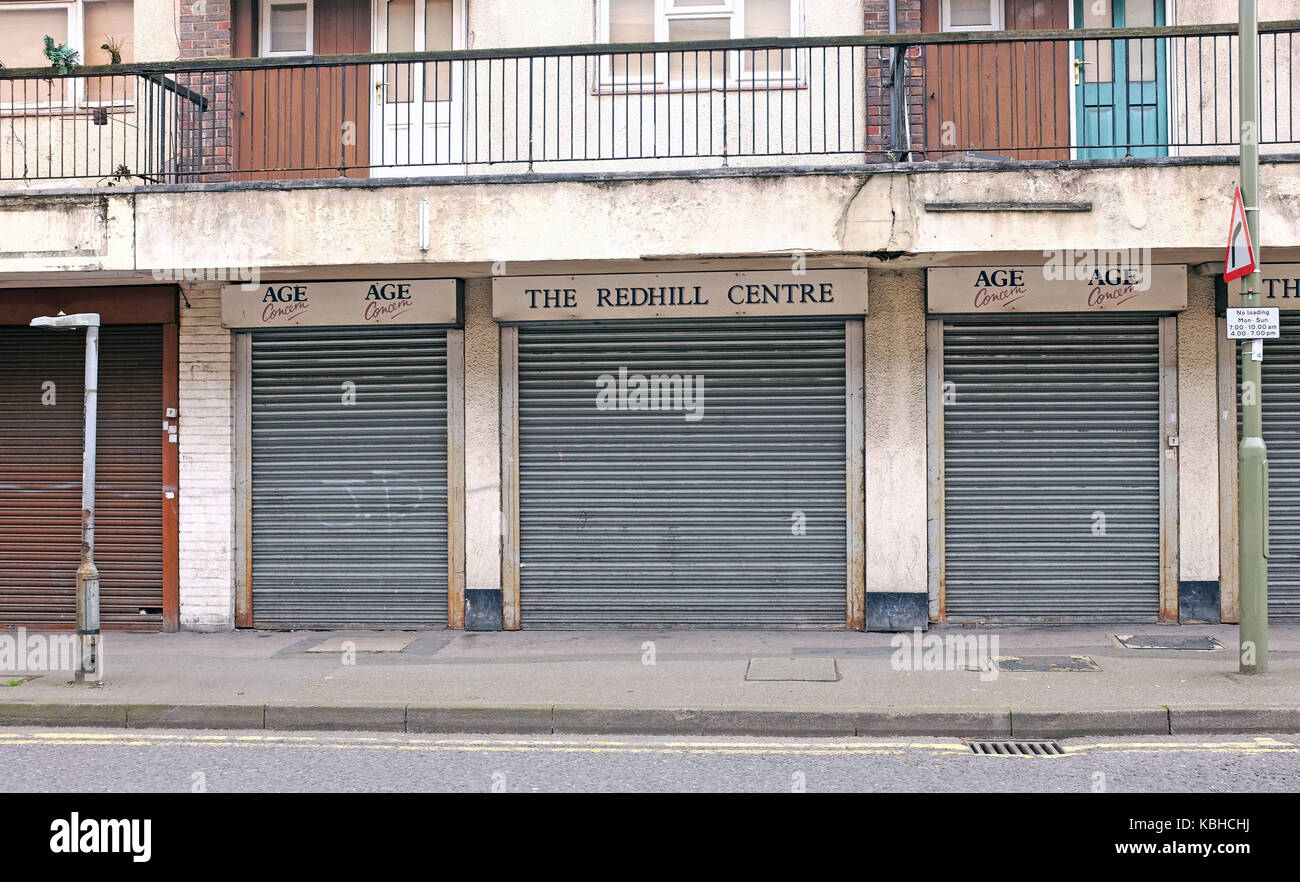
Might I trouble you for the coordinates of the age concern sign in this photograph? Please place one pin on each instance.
(680, 295)
(998, 289)
(317, 304)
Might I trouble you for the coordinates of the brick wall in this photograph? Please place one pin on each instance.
(207, 458)
(908, 21)
(206, 139)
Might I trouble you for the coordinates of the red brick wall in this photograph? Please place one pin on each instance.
(908, 21)
(206, 138)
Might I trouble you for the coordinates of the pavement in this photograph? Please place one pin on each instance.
(676, 682)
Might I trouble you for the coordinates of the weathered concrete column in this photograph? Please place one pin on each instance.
(1198, 455)
(896, 587)
(482, 460)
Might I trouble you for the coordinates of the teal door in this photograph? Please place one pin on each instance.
(1121, 86)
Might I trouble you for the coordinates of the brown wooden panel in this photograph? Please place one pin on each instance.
(116, 304)
(304, 122)
(41, 430)
(1010, 99)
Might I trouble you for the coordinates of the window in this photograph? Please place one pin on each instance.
(663, 21)
(83, 25)
(971, 15)
(286, 27)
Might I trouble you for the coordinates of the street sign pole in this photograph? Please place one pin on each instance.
(1252, 458)
(88, 634)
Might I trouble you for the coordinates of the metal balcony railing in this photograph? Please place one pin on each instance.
(1130, 95)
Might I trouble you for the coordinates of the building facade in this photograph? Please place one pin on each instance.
(431, 313)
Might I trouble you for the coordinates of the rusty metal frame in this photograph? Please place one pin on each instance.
(934, 468)
(1169, 459)
(456, 478)
(855, 472)
(510, 477)
(243, 478)
(1229, 595)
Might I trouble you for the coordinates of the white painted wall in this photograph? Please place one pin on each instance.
(206, 462)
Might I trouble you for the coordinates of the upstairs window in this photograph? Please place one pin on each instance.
(286, 27)
(971, 15)
(673, 21)
(83, 25)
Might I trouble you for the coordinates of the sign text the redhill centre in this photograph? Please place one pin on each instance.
(684, 295)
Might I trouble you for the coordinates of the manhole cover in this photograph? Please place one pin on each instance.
(1047, 663)
(1194, 642)
(814, 669)
(1017, 748)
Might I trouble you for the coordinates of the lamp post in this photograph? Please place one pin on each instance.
(1252, 456)
(87, 574)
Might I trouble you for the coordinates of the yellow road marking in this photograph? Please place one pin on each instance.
(543, 744)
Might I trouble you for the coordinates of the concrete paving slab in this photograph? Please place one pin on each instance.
(363, 644)
(815, 670)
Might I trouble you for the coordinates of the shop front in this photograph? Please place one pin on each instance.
(683, 449)
(348, 401)
(1052, 419)
(1280, 398)
(42, 385)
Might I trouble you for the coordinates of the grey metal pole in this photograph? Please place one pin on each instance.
(87, 574)
(1252, 456)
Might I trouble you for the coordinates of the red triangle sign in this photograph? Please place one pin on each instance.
(1240, 259)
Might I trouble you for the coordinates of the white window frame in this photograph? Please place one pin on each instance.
(75, 90)
(667, 11)
(264, 28)
(997, 15)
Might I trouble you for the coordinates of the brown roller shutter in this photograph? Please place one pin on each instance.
(40, 476)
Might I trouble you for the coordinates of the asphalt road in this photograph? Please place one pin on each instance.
(103, 760)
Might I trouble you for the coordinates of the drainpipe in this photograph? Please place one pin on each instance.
(900, 137)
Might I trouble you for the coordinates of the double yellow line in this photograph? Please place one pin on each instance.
(548, 744)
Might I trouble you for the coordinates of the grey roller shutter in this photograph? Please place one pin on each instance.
(349, 501)
(1281, 400)
(642, 518)
(1052, 436)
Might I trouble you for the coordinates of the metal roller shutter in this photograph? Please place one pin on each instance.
(1281, 399)
(349, 500)
(40, 476)
(1053, 434)
(642, 518)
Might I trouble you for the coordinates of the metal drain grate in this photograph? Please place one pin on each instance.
(1017, 748)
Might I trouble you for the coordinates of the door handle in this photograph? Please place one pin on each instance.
(1078, 70)
(379, 92)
